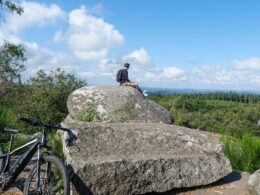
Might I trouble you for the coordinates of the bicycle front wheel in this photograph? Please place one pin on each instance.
(2, 162)
(53, 178)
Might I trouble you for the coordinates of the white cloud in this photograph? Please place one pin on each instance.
(173, 73)
(256, 80)
(91, 38)
(97, 9)
(87, 75)
(109, 66)
(252, 63)
(215, 75)
(141, 69)
(58, 36)
(227, 77)
(139, 57)
(40, 58)
(35, 14)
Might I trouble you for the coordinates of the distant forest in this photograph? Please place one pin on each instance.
(231, 116)
(220, 112)
(226, 96)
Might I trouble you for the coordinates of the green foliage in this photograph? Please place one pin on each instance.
(56, 143)
(18, 141)
(243, 153)
(43, 97)
(230, 117)
(90, 114)
(12, 61)
(11, 6)
(125, 113)
(233, 115)
(7, 117)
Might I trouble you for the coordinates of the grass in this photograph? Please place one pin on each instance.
(55, 142)
(17, 143)
(125, 113)
(88, 115)
(243, 153)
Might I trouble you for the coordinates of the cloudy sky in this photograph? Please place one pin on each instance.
(201, 44)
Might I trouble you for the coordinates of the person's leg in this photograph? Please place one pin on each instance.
(138, 88)
(134, 85)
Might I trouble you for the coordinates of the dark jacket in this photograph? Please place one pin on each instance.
(124, 76)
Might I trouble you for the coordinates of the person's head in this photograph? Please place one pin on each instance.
(127, 65)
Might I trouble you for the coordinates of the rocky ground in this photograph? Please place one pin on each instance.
(233, 184)
(17, 187)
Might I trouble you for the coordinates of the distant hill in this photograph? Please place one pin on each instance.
(167, 91)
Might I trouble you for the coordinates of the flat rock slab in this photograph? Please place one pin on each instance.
(115, 104)
(136, 158)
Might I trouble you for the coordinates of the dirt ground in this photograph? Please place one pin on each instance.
(233, 184)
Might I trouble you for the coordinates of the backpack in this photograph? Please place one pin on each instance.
(119, 76)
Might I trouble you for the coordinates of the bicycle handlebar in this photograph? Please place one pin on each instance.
(31, 121)
(34, 122)
(70, 135)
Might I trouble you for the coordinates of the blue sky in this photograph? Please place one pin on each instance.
(213, 44)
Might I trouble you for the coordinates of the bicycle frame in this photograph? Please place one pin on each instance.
(11, 173)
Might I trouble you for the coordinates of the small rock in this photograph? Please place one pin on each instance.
(254, 183)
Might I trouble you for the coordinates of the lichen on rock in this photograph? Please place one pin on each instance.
(115, 104)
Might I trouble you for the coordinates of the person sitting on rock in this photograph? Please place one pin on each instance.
(122, 77)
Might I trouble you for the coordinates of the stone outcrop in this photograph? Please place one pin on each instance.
(134, 151)
(116, 158)
(258, 123)
(254, 183)
(4, 88)
(115, 104)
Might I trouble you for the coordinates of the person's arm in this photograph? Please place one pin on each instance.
(127, 76)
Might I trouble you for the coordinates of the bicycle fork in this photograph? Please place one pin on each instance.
(38, 170)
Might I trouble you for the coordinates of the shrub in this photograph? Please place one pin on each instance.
(54, 140)
(243, 153)
(43, 98)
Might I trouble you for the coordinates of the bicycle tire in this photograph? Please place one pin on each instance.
(60, 165)
(2, 160)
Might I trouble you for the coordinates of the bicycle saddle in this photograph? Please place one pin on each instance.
(11, 130)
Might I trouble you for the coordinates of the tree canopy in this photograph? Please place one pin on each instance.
(11, 6)
(12, 61)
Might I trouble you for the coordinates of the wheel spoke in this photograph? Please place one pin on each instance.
(51, 179)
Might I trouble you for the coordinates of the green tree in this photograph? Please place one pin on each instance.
(45, 95)
(11, 6)
(12, 56)
(12, 61)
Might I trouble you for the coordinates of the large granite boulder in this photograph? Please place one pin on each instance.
(136, 158)
(115, 104)
(254, 183)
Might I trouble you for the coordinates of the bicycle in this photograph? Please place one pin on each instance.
(48, 175)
